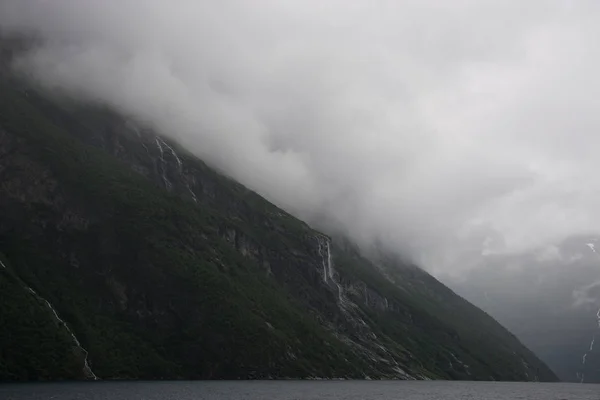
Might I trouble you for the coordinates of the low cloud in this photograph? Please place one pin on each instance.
(443, 130)
(587, 295)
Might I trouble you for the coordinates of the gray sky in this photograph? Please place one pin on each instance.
(446, 128)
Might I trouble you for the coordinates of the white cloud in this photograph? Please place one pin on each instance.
(445, 128)
(584, 295)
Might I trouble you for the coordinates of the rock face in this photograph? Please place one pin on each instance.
(137, 260)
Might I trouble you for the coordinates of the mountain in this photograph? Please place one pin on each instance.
(123, 256)
(550, 298)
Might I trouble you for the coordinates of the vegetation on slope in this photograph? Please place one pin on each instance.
(453, 339)
(133, 237)
(153, 289)
(34, 347)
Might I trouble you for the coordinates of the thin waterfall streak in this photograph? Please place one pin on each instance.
(86, 367)
(162, 163)
(174, 154)
(591, 347)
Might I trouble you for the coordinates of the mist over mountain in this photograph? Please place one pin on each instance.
(124, 256)
(461, 137)
(438, 130)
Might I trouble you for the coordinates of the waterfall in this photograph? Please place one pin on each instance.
(161, 145)
(87, 370)
(163, 163)
(324, 253)
(464, 365)
(591, 347)
(179, 163)
(328, 272)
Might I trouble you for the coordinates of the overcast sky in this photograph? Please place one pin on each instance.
(446, 128)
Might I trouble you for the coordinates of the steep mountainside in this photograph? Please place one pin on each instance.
(123, 256)
(550, 298)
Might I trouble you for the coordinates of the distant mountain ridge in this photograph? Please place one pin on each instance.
(125, 257)
(550, 298)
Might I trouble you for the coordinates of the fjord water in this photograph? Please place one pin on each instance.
(300, 390)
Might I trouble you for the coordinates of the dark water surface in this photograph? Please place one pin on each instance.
(296, 390)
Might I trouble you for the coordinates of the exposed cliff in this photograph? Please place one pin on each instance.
(127, 257)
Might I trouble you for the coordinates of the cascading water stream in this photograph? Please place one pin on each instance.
(163, 163)
(161, 145)
(87, 370)
(323, 254)
(192, 193)
(179, 163)
(328, 273)
(591, 348)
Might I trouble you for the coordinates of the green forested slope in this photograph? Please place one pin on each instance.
(158, 285)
